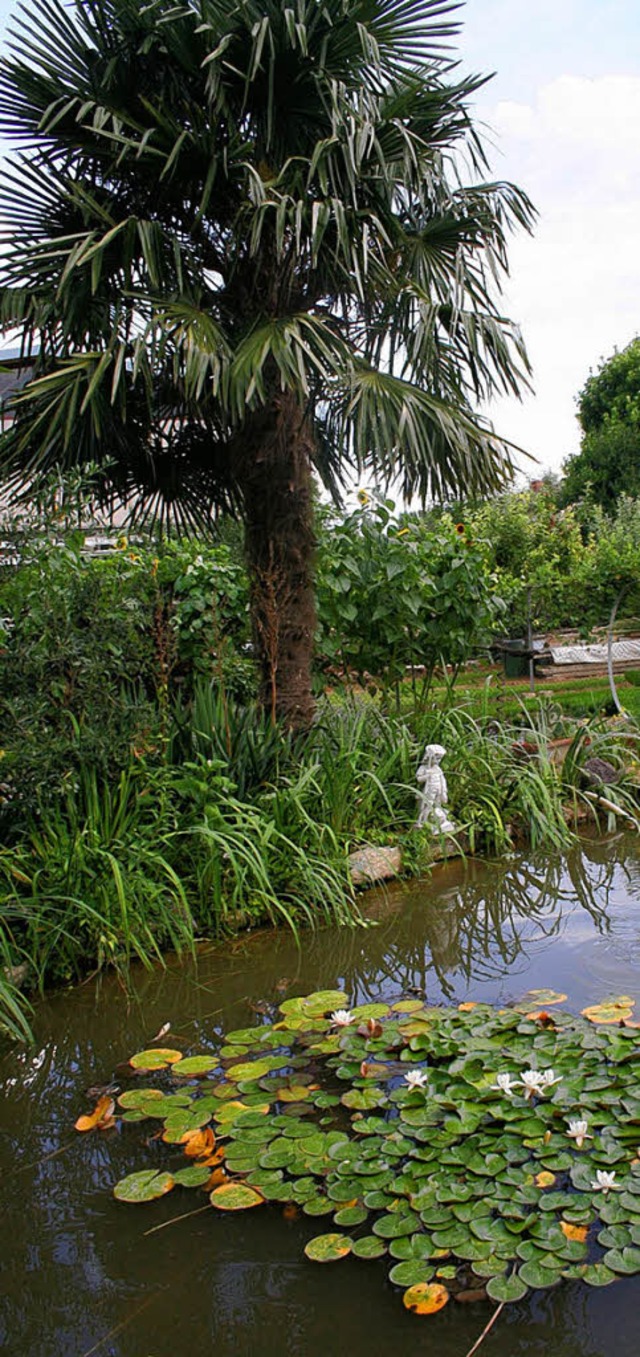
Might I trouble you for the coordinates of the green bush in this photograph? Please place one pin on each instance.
(396, 593)
(96, 651)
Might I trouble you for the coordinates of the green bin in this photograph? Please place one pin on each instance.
(515, 659)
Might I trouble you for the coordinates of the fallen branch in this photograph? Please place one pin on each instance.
(486, 1329)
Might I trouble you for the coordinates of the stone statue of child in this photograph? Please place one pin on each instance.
(433, 792)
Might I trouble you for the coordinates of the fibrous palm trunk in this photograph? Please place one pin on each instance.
(274, 473)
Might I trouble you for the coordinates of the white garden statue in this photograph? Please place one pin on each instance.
(433, 793)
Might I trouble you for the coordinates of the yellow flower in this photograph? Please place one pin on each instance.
(363, 498)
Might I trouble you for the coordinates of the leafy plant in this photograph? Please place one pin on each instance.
(397, 594)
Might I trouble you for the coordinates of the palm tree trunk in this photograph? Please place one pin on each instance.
(276, 485)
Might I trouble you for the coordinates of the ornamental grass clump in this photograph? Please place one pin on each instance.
(404, 1131)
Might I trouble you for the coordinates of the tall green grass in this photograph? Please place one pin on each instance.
(236, 822)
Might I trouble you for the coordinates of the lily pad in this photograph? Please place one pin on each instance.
(598, 1274)
(611, 1011)
(194, 1065)
(625, 1260)
(328, 1248)
(136, 1098)
(411, 1273)
(425, 1298)
(235, 1197)
(532, 1274)
(156, 1059)
(507, 1289)
(351, 1215)
(144, 1186)
(318, 1206)
(195, 1176)
(369, 1247)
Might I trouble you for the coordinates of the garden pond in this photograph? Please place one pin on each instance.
(84, 1274)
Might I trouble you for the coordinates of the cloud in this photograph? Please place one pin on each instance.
(575, 286)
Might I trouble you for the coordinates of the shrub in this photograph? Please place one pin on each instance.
(396, 593)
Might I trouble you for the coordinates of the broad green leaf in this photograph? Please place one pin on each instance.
(144, 1186)
(506, 1289)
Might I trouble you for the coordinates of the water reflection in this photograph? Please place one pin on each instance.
(78, 1265)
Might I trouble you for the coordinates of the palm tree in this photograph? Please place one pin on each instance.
(248, 240)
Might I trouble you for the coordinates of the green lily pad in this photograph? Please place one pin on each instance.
(489, 1267)
(255, 1069)
(368, 1247)
(136, 1098)
(625, 1260)
(318, 1206)
(363, 1099)
(235, 1197)
(328, 1248)
(532, 1274)
(410, 1273)
(450, 1236)
(364, 1011)
(394, 1224)
(615, 1237)
(598, 1274)
(315, 1005)
(507, 1289)
(473, 1250)
(417, 1246)
(195, 1176)
(351, 1215)
(194, 1065)
(144, 1186)
(156, 1059)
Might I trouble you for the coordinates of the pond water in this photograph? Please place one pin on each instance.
(81, 1273)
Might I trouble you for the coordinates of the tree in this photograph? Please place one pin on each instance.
(242, 244)
(608, 464)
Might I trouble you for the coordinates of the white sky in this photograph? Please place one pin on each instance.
(564, 109)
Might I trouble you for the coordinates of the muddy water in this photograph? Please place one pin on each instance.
(81, 1275)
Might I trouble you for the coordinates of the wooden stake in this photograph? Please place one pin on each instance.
(486, 1329)
(174, 1219)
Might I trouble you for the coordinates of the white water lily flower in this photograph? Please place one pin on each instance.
(603, 1181)
(342, 1017)
(547, 1078)
(416, 1078)
(505, 1083)
(578, 1131)
(531, 1081)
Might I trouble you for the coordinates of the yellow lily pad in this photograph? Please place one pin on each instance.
(425, 1298)
(611, 1010)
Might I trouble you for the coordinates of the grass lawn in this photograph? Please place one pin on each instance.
(485, 692)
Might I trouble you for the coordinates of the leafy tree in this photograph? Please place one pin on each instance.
(608, 464)
(396, 592)
(243, 242)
